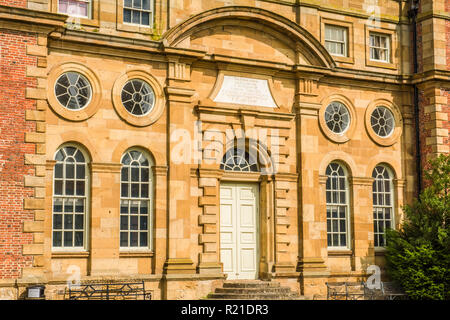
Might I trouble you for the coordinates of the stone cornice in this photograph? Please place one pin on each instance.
(35, 17)
(432, 75)
(208, 106)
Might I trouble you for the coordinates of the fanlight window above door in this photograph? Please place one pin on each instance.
(238, 160)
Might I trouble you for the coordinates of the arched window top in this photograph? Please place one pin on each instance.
(135, 158)
(70, 154)
(238, 160)
(381, 172)
(335, 169)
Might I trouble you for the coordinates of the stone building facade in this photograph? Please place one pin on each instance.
(183, 143)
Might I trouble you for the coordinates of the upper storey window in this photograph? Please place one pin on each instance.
(336, 40)
(137, 12)
(75, 8)
(379, 47)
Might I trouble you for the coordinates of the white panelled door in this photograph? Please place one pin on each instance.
(239, 229)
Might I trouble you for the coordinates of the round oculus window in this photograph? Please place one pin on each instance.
(138, 97)
(337, 117)
(382, 121)
(73, 91)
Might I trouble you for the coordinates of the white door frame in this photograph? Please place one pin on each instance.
(233, 235)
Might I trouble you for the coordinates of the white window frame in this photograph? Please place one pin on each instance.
(344, 42)
(346, 206)
(86, 198)
(387, 48)
(150, 199)
(383, 207)
(89, 11)
(150, 12)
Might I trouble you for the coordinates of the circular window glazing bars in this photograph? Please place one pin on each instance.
(138, 97)
(337, 117)
(73, 90)
(382, 122)
(69, 198)
(135, 206)
(238, 160)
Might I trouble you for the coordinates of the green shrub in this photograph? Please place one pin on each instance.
(418, 255)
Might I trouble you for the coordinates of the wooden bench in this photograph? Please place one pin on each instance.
(345, 290)
(109, 291)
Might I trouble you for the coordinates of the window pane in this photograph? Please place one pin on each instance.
(68, 238)
(134, 174)
(134, 205)
(143, 239)
(134, 239)
(145, 19)
(136, 17)
(127, 3)
(80, 171)
(59, 170)
(135, 190)
(80, 188)
(57, 238)
(146, 4)
(79, 205)
(144, 190)
(124, 239)
(127, 15)
(143, 223)
(334, 226)
(133, 222)
(78, 239)
(70, 171)
(144, 174)
(58, 187)
(137, 4)
(57, 205)
(144, 207)
(68, 205)
(123, 222)
(124, 174)
(343, 240)
(68, 221)
(69, 187)
(124, 190)
(79, 221)
(124, 206)
(57, 221)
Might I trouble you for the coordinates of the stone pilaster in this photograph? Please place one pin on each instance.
(361, 219)
(180, 131)
(209, 221)
(104, 216)
(285, 223)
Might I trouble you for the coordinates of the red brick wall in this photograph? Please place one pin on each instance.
(14, 3)
(13, 81)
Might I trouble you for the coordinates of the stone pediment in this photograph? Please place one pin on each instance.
(249, 33)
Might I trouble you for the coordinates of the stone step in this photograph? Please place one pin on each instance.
(260, 296)
(274, 290)
(251, 284)
(253, 290)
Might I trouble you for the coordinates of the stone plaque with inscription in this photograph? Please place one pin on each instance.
(245, 91)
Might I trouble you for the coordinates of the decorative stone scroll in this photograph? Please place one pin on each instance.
(245, 91)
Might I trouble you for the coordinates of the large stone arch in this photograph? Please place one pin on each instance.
(301, 41)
